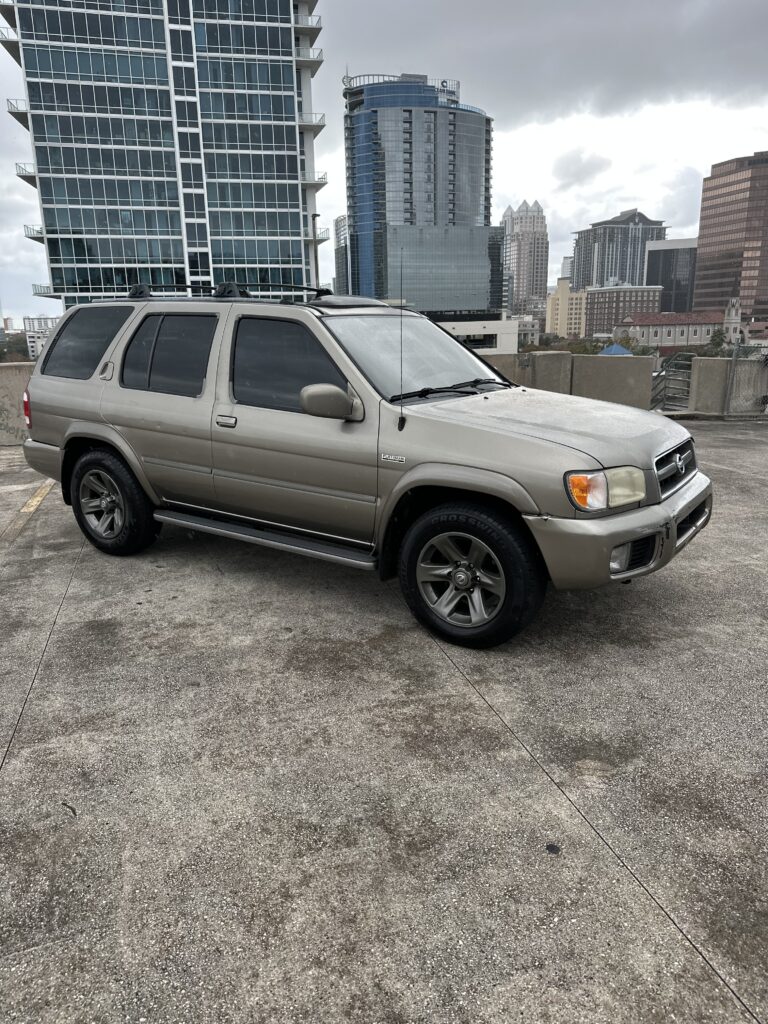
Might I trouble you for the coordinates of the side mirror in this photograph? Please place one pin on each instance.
(328, 401)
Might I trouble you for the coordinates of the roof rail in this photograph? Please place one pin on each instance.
(139, 291)
(231, 290)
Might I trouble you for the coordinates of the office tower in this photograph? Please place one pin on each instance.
(613, 251)
(419, 195)
(732, 261)
(672, 264)
(173, 142)
(341, 255)
(566, 267)
(526, 258)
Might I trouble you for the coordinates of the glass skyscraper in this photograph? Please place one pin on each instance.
(613, 251)
(733, 237)
(672, 264)
(419, 195)
(173, 141)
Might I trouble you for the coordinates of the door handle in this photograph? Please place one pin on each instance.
(226, 421)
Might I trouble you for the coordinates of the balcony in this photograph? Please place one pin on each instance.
(10, 41)
(308, 25)
(35, 232)
(323, 236)
(306, 57)
(310, 179)
(19, 109)
(311, 122)
(28, 173)
(43, 290)
(8, 11)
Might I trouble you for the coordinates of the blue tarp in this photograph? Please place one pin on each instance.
(615, 350)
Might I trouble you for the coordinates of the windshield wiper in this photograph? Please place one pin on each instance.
(484, 380)
(455, 389)
(451, 389)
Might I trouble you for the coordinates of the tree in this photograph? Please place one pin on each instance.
(716, 343)
(15, 348)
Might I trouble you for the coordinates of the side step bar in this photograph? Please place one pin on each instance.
(339, 553)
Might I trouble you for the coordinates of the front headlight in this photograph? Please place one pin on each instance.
(610, 488)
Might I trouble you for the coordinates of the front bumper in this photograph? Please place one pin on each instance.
(578, 551)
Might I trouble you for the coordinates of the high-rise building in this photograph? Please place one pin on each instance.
(419, 195)
(566, 267)
(37, 330)
(566, 311)
(672, 264)
(526, 258)
(613, 251)
(341, 255)
(607, 307)
(173, 141)
(732, 261)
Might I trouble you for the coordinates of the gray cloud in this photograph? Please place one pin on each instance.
(682, 203)
(577, 168)
(522, 62)
(532, 61)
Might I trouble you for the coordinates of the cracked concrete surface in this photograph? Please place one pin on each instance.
(243, 786)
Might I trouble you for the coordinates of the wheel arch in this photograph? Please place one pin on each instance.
(429, 487)
(87, 437)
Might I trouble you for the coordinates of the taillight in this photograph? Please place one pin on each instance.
(27, 410)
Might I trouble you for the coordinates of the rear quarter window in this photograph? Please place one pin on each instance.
(79, 346)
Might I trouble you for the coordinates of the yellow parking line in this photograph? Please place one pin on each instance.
(19, 521)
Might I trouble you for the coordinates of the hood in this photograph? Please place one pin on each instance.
(613, 435)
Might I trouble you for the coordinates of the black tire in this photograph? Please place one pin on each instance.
(519, 587)
(136, 529)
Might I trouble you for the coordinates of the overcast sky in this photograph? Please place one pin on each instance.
(598, 106)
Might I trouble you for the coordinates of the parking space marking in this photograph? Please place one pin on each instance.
(25, 513)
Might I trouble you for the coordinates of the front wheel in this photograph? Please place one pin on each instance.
(471, 575)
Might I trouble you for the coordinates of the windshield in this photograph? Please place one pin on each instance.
(431, 358)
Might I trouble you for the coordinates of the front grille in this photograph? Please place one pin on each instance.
(641, 553)
(676, 467)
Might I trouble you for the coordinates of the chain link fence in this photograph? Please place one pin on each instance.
(747, 391)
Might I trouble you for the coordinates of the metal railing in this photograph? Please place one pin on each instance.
(26, 170)
(323, 236)
(18, 107)
(34, 231)
(308, 178)
(42, 289)
(312, 21)
(309, 53)
(313, 120)
(671, 388)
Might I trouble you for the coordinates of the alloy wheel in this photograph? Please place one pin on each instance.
(460, 579)
(102, 504)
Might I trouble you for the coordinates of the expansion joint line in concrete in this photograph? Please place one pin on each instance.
(42, 656)
(539, 764)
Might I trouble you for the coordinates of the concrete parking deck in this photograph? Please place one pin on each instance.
(242, 786)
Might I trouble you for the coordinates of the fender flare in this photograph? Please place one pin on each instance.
(103, 432)
(466, 478)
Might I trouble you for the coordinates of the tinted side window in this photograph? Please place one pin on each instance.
(274, 359)
(170, 354)
(139, 353)
(79, 347)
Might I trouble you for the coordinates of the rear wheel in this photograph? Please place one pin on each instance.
(471, 575)
(110, 506)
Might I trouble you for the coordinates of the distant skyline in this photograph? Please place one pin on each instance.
(584, 125)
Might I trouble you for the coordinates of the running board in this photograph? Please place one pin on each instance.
(341, 554)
